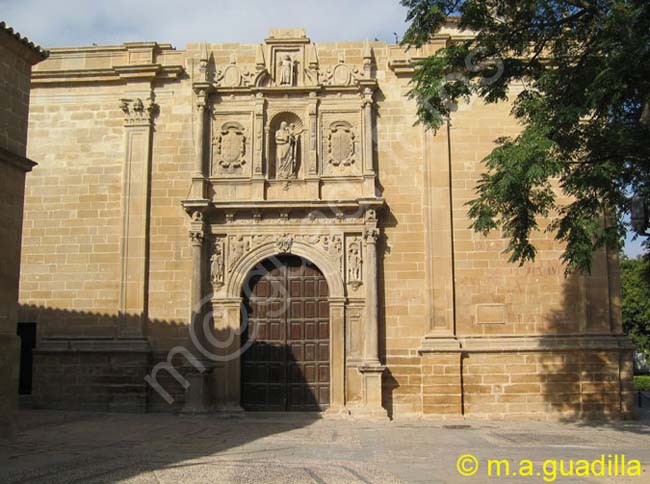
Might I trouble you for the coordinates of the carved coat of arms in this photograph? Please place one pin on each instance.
(231, 146)
(341, 144)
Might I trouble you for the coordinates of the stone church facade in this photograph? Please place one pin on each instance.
(265, 227)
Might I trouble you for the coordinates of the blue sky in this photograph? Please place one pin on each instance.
(57, 23)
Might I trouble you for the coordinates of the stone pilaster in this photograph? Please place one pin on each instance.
(367, 106)
(198, 395)
(313, 130)
(227, 348)
(138, 124)
(337, 356)
(439, 253)
(371, 369)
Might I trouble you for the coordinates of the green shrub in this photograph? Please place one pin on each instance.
(642, 383)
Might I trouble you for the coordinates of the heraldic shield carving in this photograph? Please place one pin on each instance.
(231, 146)
(341, 144)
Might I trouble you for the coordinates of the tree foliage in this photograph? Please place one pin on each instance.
(635, 290)
(584, 106)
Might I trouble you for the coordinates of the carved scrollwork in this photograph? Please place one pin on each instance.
(342, 74)
(341, 144)
(137, 111)
(371, 235)
(230, 146)
(196, 237)
(329, 244)
(234, 76)
(285, 243)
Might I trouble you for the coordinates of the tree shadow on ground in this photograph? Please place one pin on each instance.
(82, 376)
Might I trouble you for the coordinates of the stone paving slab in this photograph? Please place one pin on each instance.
(75, 447)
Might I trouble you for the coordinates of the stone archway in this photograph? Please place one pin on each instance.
(228, 307)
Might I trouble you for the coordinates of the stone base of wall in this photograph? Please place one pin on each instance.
(100, 375)
(572, 378)
(581, 377)
(9, 372)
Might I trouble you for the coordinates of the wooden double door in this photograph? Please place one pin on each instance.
(286, 364)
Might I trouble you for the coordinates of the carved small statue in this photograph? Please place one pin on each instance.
(216, 266)
(354, 265)
(286, 142)
(286, 71)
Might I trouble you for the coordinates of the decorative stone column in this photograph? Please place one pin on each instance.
(371, 369)
(367, 87)
(198, 396)
(198, 177)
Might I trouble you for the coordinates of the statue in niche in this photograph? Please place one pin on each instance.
(354, 265)
(216, 266)
(286, 71)
(286, 143)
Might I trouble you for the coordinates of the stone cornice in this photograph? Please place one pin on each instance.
(533, 343)
(93, 345)
(145, 72)
(15, 160)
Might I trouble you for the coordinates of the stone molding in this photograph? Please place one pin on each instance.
(540, 343)
(93, 345)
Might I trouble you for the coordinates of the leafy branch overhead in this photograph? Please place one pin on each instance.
(584, 104)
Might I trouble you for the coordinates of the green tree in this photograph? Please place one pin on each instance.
(584, 110)
(635, 290)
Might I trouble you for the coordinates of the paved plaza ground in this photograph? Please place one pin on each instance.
(73, 447)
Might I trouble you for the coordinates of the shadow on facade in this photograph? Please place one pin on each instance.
(584, 366)
(103, 373)
(88, 374)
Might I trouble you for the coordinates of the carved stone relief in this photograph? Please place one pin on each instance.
(286, 71)
(287, 139)
(137, 111)
(240, 245)
(354, 273)
(234, 76)
(285, 243)
(342, 74)
(341, 144)
(286, 150)
(230, 146)
(217, 262)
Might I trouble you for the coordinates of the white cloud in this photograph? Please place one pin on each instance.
(55, 23)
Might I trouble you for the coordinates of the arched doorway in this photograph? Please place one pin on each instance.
(287, 332)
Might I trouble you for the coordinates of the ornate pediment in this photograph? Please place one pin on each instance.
(234, 76)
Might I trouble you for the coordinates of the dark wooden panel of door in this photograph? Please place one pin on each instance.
(287, 365)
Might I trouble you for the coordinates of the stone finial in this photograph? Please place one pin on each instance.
(203, 61)
(367, 59)
(312, 59)
(260, 63)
